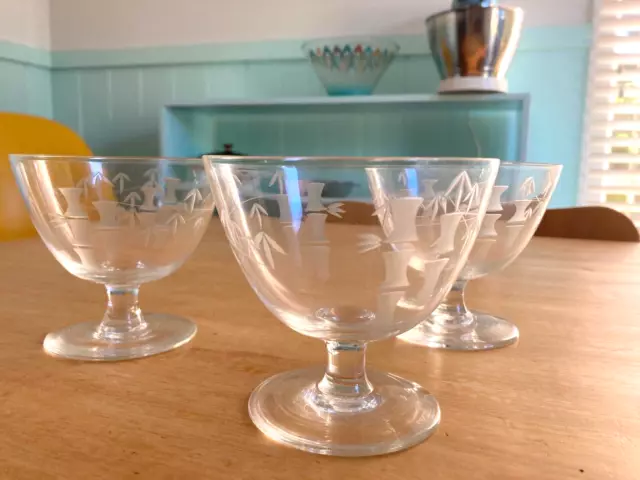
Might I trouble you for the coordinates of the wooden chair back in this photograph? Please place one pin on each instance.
(588, 223)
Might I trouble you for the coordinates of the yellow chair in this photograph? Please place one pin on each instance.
(26, 134)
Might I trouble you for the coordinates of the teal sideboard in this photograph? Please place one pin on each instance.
(389, 125)
(378, 125)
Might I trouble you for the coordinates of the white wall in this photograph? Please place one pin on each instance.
(25, 22)
(115, 24)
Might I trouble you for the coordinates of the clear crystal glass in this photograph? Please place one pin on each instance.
(120, 222)
(519, 199)
(348, 283)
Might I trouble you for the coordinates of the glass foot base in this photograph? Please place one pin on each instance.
(404, 414)
(485, 332)
(80, 342)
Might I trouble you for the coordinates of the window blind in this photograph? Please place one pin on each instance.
(611, 173)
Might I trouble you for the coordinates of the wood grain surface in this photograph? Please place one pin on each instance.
(562, 404)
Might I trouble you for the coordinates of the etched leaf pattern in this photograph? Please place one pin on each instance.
(152, 175)
(264, 242)
(175, 220)
(132, 198)
(192, 198)
(120, 179)
(261, 241)
(461, 196)
(273, 244)
(472, 197)
(460, 188)
(99, 177)
(382, 211)
(369, 242)
(335, 209)
(257, 211)
(278, 177)
(528, 187)
(126, 210)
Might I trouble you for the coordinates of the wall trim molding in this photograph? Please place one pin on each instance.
(24, 54)
(533, 39)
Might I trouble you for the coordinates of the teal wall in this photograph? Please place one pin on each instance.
(113, 98)
(25, 80)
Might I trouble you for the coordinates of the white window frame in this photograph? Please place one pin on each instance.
(590, 143)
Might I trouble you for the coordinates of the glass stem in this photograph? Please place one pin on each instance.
(123, 319)
(452, 311)
(345, 386)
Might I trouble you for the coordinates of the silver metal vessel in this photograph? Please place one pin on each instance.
(473, 45)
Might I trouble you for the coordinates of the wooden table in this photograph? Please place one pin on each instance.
(563, 404)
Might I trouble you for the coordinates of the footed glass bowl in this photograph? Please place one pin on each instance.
(519, 199)
(350, 66)
(120, 222)
(349, 283)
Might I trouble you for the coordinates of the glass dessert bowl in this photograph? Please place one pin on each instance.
(348, 283)
(519, 199)
(119, 222)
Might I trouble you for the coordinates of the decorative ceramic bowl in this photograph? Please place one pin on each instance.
(350, 66)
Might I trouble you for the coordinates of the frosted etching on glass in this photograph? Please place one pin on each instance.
(349, 272)
(119, 222)
(516, 205)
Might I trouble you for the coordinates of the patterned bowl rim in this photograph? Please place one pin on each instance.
(540, 165)
(15, 158)
(346, 161)
(379, 42)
